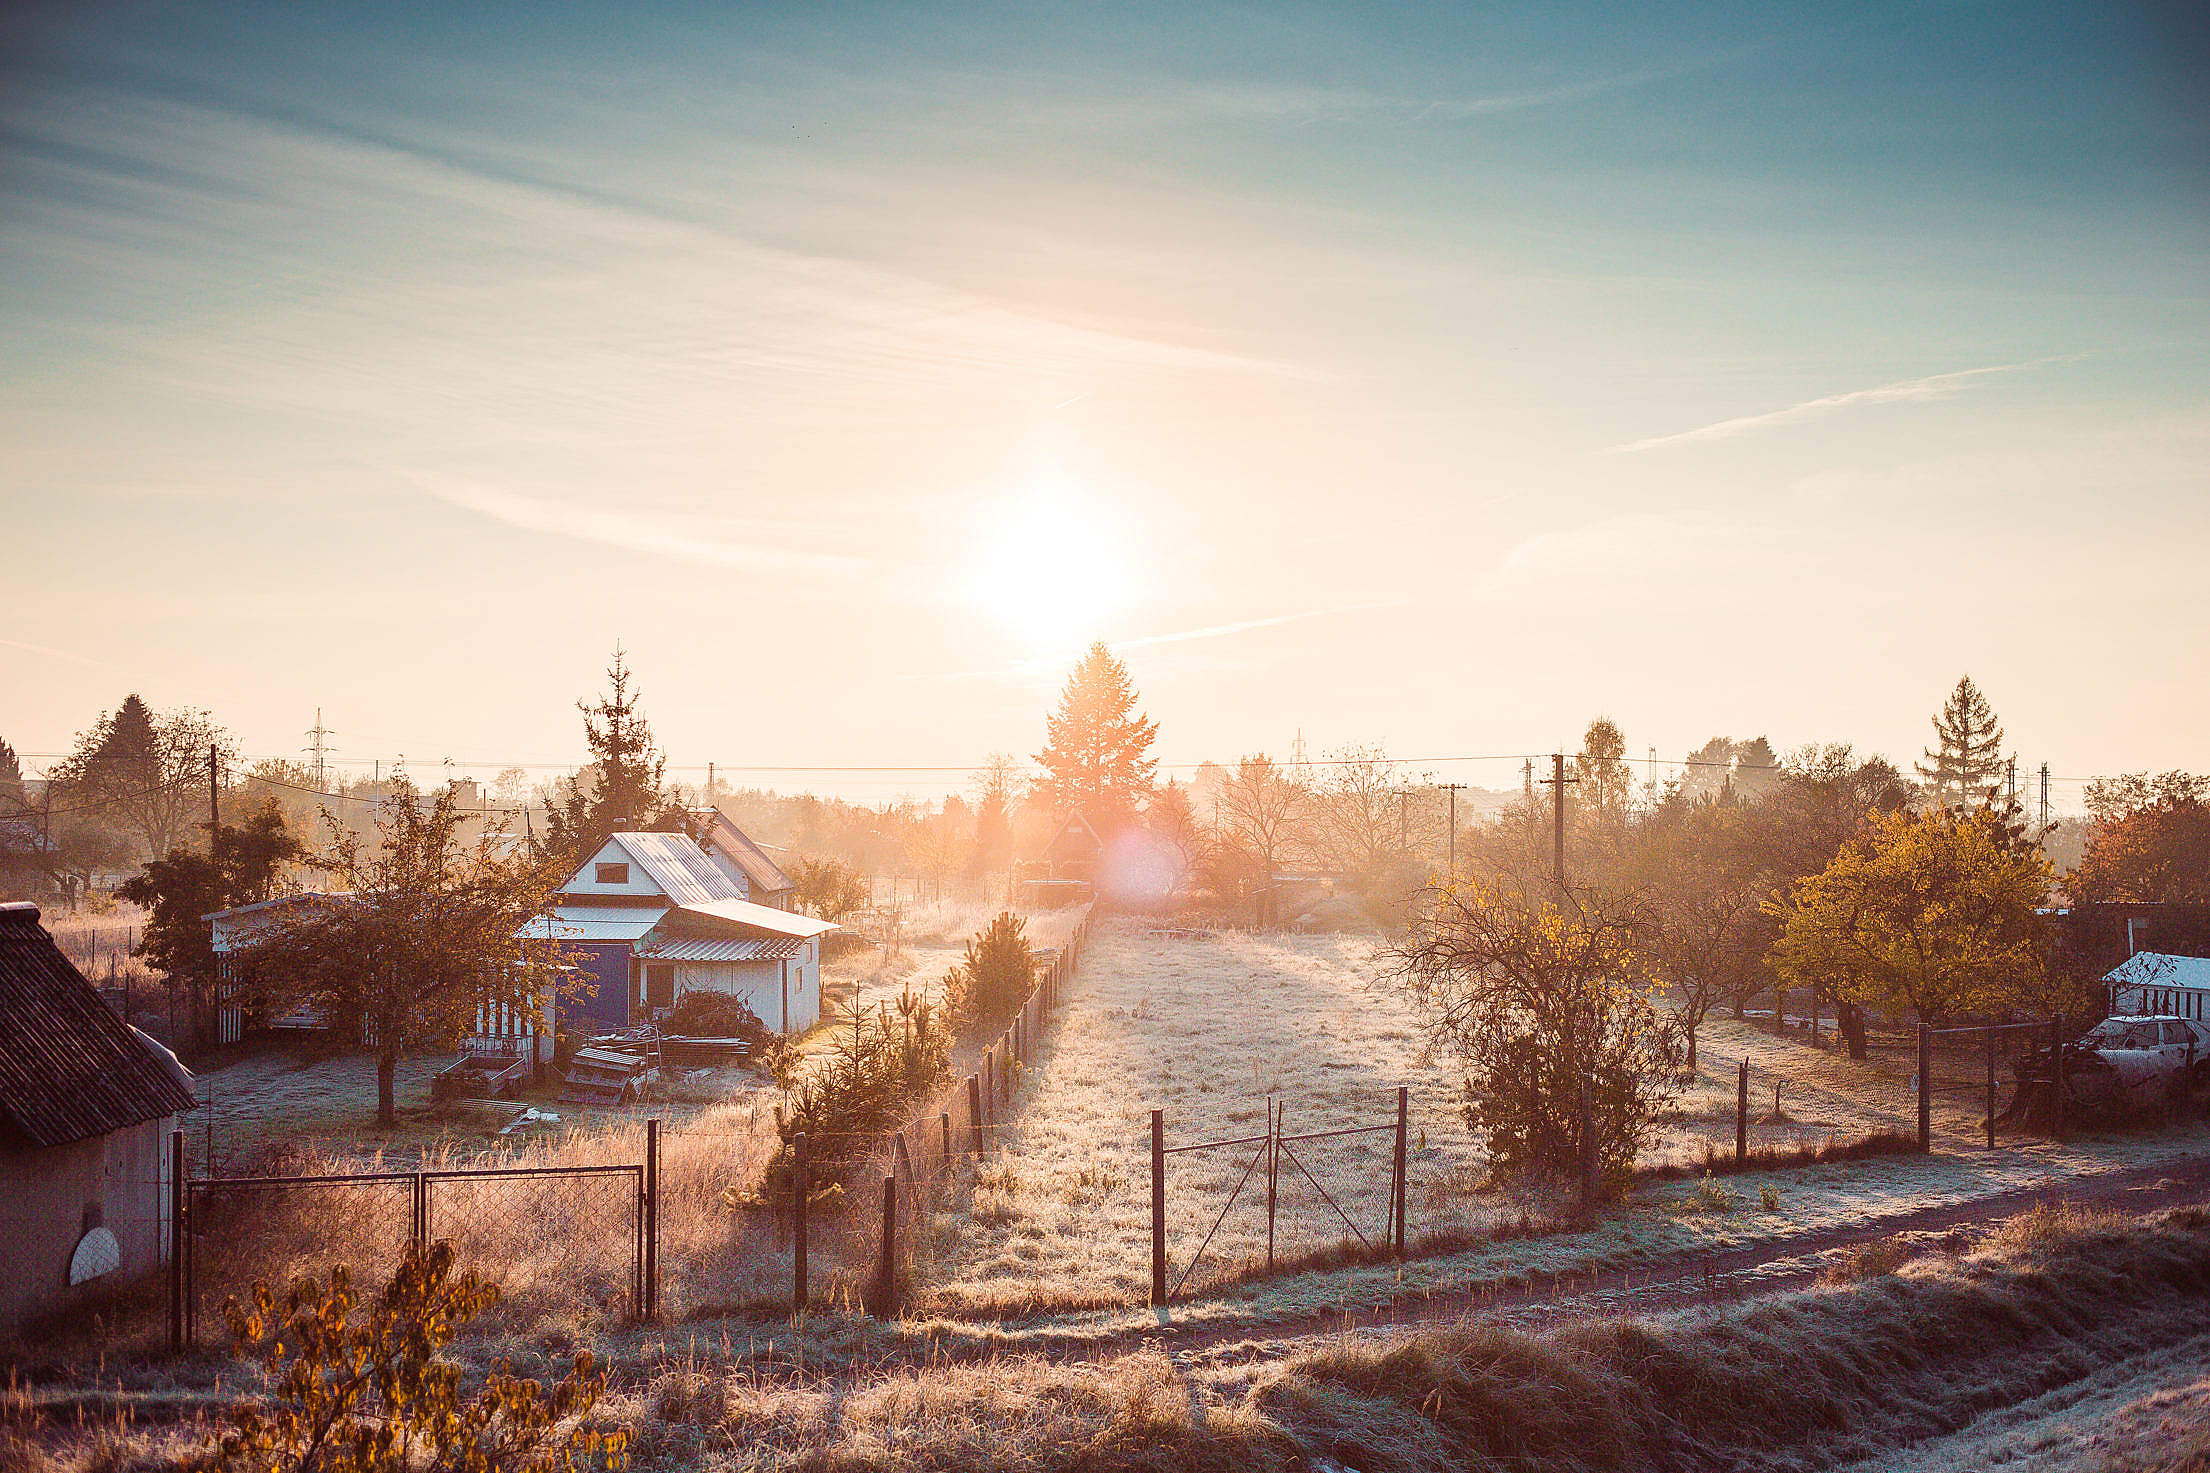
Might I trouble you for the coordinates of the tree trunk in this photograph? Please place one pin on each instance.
(387, 1060)
(1850, 1019)
(1691, 1048)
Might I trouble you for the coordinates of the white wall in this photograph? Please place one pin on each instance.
(42, 1214)
(760, 984)
(585, 880)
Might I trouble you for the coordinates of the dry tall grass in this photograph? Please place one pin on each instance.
(1813, 1380)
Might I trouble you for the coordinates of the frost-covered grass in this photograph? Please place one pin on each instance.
(1206, 1028)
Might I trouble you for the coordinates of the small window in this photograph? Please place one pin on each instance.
(659, 984)
(613, 874)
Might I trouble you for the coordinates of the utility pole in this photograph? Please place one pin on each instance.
(1527, 778)
(709, 785)
(1453, 789)
(214, 809)
(1557, 781)
(319, 746)
(2010, 781)
(2045, 797)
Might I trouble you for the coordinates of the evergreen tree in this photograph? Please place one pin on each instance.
(11, 772)
(1966, 761)
(623, 790)
(1097, 749)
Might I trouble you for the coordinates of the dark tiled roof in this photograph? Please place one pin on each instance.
(69, 1068)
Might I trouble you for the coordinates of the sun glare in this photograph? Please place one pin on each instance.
(1053, 570)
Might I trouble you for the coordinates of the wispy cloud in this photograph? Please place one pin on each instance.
(1932, 386)
(714, 542)
(58, 654)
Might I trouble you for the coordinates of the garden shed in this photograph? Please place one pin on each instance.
(86, 1106)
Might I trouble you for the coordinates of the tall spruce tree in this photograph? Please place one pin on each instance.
(623, 790)
(1965, 764)
(1097, 748)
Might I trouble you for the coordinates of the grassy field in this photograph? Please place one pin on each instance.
(1209, 1027)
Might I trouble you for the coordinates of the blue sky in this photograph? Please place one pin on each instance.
(1440, 376)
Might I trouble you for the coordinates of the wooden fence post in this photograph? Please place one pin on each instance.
(1925, 1088)
(652, 1220)
(1404, 1099)
(179, 1238)
(421, 1226)
(886, 1299)
(799, 1186)
(974, 1110)
(1742, 1115)
(945, 1120)
(1158, 1209)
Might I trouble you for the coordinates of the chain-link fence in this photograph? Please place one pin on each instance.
(558, 1241)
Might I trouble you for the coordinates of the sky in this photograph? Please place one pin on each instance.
(1434, 376)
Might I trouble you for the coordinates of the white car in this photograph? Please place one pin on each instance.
(2128, 1063)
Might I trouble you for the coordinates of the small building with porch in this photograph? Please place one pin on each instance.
(86, 1106)
(650, 916)
(2160, 985)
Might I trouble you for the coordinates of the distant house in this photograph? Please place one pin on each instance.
(1065, 871)
(652, 916)
(86, 1105)
(759, 879)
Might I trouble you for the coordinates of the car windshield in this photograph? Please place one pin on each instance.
(2119, 1033)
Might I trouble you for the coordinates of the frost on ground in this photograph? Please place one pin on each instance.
(2147, 1412)
(1206, 1027)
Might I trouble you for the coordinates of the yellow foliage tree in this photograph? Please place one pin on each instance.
(1931, 913)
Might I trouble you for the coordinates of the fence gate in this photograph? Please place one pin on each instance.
(1299, 1191)
(550, 1237)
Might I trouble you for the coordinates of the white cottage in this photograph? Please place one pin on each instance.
(651, 916)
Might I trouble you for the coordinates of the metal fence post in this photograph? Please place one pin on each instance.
(887, 1299)
(1742, 1115)
(1404, 1102)
(1925, 1088)
(1158, 1209)
(421, 1212)
(652, 1220)
(2056, 1075)
(1273, 1162)
(1991, 1089)
(798, 1186)
(179, 1239)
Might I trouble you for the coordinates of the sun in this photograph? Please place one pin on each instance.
(1053, 570)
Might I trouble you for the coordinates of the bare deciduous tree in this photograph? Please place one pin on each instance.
(1259, 811)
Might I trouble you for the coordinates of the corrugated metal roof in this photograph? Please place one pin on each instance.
(755, 917)
(719, 948)
(69, 1068)
(766, 876)
(597, 922)
(2158, 969)
(685, 873)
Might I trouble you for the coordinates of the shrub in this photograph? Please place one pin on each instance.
(995, 977)
(877, 1071)
(371, 1396)
(1570, 1067)
(705, 1014)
